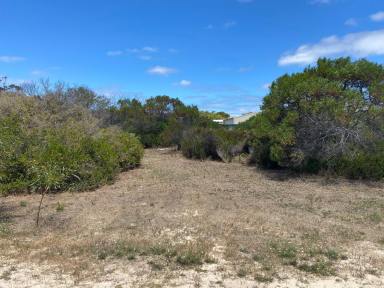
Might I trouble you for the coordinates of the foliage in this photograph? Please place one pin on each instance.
(329, 117)
(159, 121)
(54, 141)
(214, 143)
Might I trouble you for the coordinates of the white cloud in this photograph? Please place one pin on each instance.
(320, 2)
(209, 27)
(146, 49)
(161, 70)
(356, 45)
(114, 53)
(173, 50)
(378, 17)
(145, 57)
(230, 24)
(185, 83)
(11, 59)
(245, 69)
(351, 22)
(245, 1)
(149, 49)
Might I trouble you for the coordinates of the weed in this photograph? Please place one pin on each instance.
(4, 229)
(190, 257)
(23, 203)
(376, 218)
(263, 278)
(284, 249)
(59, 207)
(332, 254)
(242, 272)
(156, 265)
(321, 267)
(257, 257)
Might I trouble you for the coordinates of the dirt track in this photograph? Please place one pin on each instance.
(248, 221)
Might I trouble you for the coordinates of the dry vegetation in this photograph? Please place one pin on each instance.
(175, 222)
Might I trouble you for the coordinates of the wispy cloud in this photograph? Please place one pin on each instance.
(351, 22)
(245, 1)
(185, 83)
(114, 53)
(356, 45)
(320, 2)
(161, 70)
(11, 59)
(143, 53)
(378, 17)
(146, 49)
(245, 69)
(44, 71)
(145, 57)
(149, 49)
(230, 24)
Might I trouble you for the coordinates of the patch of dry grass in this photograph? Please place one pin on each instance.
(174, 214)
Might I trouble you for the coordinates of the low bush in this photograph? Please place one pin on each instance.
(199, 143)
(213, 143)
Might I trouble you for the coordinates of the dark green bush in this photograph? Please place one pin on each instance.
(328, 118)
(214, 143)
(199, 143)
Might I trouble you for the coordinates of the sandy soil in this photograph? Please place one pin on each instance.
(260, 229)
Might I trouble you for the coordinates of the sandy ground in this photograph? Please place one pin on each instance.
(261, 229)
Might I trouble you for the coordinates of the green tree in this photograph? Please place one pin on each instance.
(330, 116)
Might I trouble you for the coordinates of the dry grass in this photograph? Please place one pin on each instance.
(208, 218)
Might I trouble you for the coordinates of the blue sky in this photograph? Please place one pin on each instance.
(218, 54)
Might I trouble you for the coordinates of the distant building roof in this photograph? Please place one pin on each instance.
(239, 119)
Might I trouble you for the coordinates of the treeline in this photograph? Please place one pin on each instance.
(56, 138)
(327, 119)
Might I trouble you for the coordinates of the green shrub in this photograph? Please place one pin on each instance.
(327, 118)
(64, 158)
(128, 147)
(199, 143)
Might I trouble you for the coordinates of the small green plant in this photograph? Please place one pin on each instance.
(23, 203)
(4, 229)
(332, 254)
(284, 249)
(320, 267)
(257, 257)
(156, 265)
(59, 207)
(263, 278)
(242, 272)
(376, 218)
(190, 257)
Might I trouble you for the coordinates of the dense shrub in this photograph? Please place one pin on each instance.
(199, 143)
(330, 117)
(63, 159)
(214, 143)
(51, 142)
